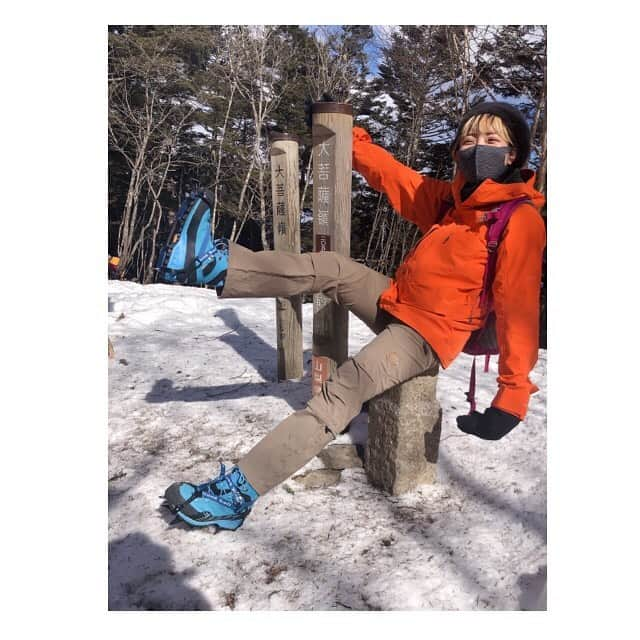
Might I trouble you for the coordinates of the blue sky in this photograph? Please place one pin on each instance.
(373, 49)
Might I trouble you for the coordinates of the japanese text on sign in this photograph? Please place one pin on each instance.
(280, 203)
(320, 372)
(323, 192)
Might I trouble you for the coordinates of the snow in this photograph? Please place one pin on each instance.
(193, 381)
(196, 104)
(202, 130)
(389, 104)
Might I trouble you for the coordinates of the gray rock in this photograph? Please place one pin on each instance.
(340, 456)
(319, 478)
(404, 433)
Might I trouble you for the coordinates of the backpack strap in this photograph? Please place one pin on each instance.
(471, 394)
(496, 220)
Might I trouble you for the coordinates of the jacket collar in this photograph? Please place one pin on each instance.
(490, 194)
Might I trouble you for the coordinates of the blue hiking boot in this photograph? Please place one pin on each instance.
(224, 502)
(192, 256)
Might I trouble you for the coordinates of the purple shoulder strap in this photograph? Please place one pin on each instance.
(497, 221)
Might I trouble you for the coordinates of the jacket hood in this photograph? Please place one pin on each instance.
(490, 194)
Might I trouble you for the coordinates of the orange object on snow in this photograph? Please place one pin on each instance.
(113, 263)
(436, 290)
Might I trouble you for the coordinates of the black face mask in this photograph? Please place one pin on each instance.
(483, 161)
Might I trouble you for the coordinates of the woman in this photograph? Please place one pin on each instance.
(422, 317)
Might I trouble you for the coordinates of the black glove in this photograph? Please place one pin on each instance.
(493, 424)
(307, 106)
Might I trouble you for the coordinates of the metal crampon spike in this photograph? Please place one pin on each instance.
(176, 520)
(169, 507)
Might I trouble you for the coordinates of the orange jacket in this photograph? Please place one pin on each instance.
(436, 290)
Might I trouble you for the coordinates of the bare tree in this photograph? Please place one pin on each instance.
(256, 60)
(220, 154)
(144, 126)
(332, 64)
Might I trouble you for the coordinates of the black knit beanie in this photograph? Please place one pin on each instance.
(514, 121)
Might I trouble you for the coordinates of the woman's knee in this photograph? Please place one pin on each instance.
(327, 263)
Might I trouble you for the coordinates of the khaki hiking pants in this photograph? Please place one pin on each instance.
(396, 354)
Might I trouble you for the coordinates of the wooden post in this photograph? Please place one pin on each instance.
(332, 123)
(286, 237)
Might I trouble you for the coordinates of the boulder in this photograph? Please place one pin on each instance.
(404, 434)
(340, 456)
(318, 478)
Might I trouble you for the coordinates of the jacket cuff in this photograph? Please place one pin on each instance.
(513, 401)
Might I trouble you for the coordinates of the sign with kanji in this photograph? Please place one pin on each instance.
(285, 197)
(320, 372)
(332, 125)
(279, 196)
(324, 185)
(323, 222)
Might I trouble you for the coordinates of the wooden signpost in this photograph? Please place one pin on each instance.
(286, 237)
(332, 124)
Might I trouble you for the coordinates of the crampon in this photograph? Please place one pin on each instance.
(224, 502)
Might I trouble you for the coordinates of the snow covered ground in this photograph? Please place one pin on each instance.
(193, 381)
